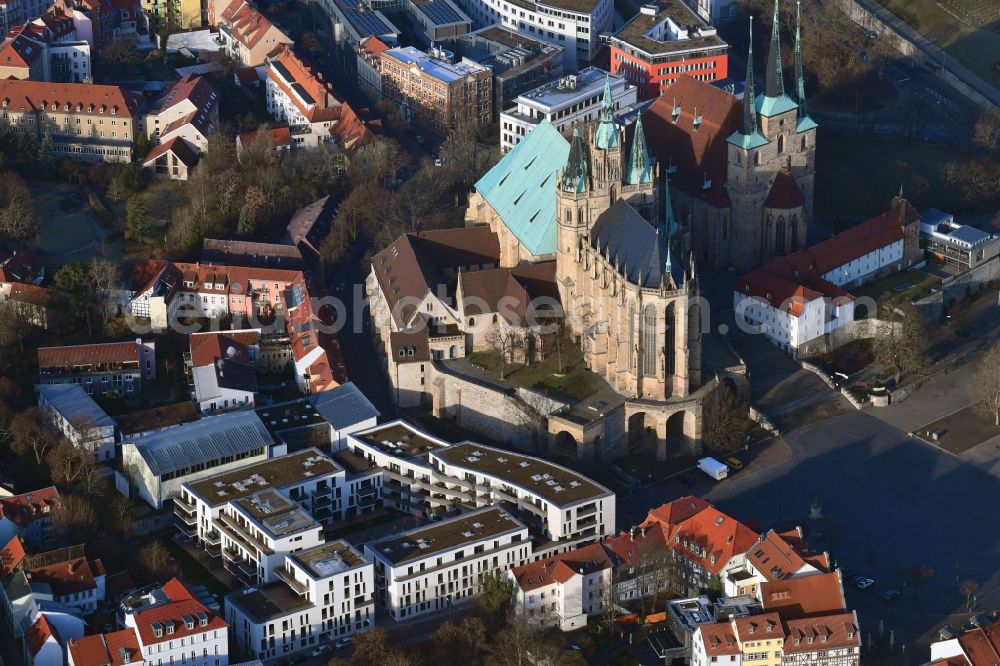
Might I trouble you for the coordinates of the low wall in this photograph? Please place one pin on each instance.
(760, 418)
(957, 287)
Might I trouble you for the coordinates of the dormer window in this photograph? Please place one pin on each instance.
(66, 106)
(202, 619)
(697, 120)
(169, 624)
(55, 106)
(157, 629)
(114, 110)
(188, 622)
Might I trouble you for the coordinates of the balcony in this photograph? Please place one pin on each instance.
(235, 532)
(189, 531)
(586, 511)
(212, 538)
(586, 522)
(298, 586)
(185, 517)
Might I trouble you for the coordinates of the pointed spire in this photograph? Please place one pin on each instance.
(748, 124)
(800, 84)
(774, 82)
(639, 164)
(900, 190)
(606, 135)
(574, 178)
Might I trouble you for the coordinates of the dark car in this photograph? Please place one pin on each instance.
(890, 596)
(686, 481)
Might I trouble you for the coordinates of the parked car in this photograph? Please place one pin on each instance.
(322, 649)
(890, 596)
(686, 481)
(343, 642)
(864, 583)
(734, 463)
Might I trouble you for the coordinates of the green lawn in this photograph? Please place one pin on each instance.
(575, 381)
(968, 30)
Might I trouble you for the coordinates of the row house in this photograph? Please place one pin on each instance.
(113, 367)
(321, 594)
(29, 301)
(87, 122)
(179, 125)
(246, 35)
(116, 648)
(433, 567)
(563, 590)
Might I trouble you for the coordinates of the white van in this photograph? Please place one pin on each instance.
(713, 468)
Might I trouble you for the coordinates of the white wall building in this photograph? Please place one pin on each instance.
(323, 593)
(432, 567)
(563, 589)
(156, 466)
(575, 25)
(74, 413)
(575, 98)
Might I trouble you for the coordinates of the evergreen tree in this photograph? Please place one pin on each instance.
(136, 224)
(46, 158)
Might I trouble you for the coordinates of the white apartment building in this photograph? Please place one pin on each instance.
(575, 25)
(173, 627)
(74, 413)
(323, 593)
(575, 98)
(559, 505)
(564, 589)
(432, 567)
(262, 511)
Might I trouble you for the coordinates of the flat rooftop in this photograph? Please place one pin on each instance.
(352, 462)
(400, 440)
(441, 70)
(275, 514)
(570, 89)
(500, 35)
(274, 473)
(636, 32)
(439, 12)
(284, 416)
(446, 535)
(581, 6)
(329, 559)
(163, 416)
(267, 602)
(553, 483)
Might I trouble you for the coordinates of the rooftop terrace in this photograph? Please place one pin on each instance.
(446, 535)
(267, 602)
(673, 28)
(329, 559)
(276, 515)
(551, 482)
(400, 440)
(274, 473)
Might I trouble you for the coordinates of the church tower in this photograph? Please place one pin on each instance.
(771, 163)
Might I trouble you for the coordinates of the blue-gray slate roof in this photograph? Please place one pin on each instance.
(634, 244)
(73, 404)
(202, 441)
(343, 406)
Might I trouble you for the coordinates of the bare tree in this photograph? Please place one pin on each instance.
(725, 420)
(18, 320)
(106, 280)
(531, 412)
(73, 519)
(503, 339)
(155, 562)
(968, 590)
(657, 569)
(900, 337)
(121, 509)
(918, 574)
(986, 389)
(516, 644)
(29, 435)
(988, 130)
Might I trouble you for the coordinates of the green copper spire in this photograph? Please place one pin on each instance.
(640, 167)
(574, 177)
(749, 122)
(774, 83)
(607, 132)
(800, 85)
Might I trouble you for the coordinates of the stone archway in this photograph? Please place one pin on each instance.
(563, 446)
(642, 429)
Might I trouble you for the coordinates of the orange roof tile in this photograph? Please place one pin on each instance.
(11, 556)
(804, 596)
(39, 634)
(982, 645)
(758, 627)
(718, 639)
(829, 632)
(561, 568)
(711, 538)
(87, 98)
(27, 507)
(181, 603)
(110, 353)
(784, 193)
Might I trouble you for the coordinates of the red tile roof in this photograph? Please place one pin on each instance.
(27, 507)
(281, 136)
(24, 267)
(804, 596)
(561, 568)
(175, 145)
(70, 576)
(711, 538)
(719, 639)
(39, 634)
(284, 64)
(87, 98)
(758, 627)
(674, 513)
(881, 230)
(509, 291)
(19, 50)
(374, 45)
(207, 347)
(784, 193)
(700, 153)
(11, 556)
(829, 632)
(109, 353)
(113, 649)
(31, 294)
(624, 549)
(774, 557)
(181, 603)
(402, 341)
(982, 645)
(249, 26)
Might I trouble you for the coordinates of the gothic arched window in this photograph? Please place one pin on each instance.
(649, 346)
(779, 236)
(756, 159)
(631, 336)
(669, 335)
(781, 144)
(795, 233)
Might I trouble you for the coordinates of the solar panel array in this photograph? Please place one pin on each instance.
(441, 13)
(366, 22)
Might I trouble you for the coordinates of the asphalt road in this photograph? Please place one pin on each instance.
(892, 502)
